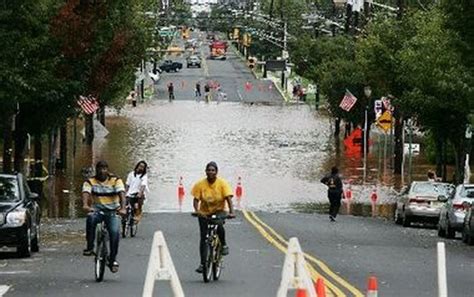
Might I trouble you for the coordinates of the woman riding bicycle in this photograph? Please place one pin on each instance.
(136, 187)
(102, 196)
(210, 197)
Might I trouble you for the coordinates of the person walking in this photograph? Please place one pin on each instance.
(207, 93)
(335, 192)
(198, 90)
(171, 91)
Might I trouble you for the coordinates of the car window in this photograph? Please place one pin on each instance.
(9, 190)
(431, 188)
(467, 193)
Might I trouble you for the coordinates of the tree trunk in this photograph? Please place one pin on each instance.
(7, 143)
(38, 156)
(20, 150)
(62, 161)
(439, 156)
(89, 126)
(337, 127)
(101, 115)
(460, 159)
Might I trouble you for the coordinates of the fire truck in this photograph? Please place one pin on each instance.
(218, 50)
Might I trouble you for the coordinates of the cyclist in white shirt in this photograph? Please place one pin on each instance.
(136, 188)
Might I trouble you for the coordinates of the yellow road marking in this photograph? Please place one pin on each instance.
(312, 259)
(314, 274)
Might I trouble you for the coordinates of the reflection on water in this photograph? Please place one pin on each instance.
(280, 152)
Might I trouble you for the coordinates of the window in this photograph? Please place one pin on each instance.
(9, 191)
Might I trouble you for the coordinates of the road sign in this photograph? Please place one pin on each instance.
(276, 65)
(384, 122)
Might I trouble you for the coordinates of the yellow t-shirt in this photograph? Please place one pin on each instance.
(212, 196)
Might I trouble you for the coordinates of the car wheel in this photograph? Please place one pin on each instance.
(35, 240)
(398, 219)
(464, 235)
(450, 232)
(24, 250)
(406, 221)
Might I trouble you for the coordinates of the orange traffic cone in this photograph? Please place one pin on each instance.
(320, 288)
(238, 188)
(373, 198)
(301, 293)
(372, 287)
(180, 188)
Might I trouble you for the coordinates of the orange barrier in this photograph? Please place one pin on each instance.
(372, 287)
(320, 288)
(301, 293)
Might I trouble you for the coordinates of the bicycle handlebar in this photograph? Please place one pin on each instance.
(214, 216)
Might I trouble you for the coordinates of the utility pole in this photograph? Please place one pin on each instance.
(398, 129)
(284, 53)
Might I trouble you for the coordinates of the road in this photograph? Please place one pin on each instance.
(402, 259)
(232, 75)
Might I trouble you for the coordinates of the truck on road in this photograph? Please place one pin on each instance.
(218, 50)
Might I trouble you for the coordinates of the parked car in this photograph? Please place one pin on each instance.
(451, 217)
(421, 202)
(169, 65)
(193, 61)
(20, 215)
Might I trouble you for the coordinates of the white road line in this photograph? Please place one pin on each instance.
(14, 272)
(3, 290)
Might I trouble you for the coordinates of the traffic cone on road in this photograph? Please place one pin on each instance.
(180, 193)
(238, 191)
(301, 293)
(372, 287)
(238, 188)
(373, 198)
(320, 288)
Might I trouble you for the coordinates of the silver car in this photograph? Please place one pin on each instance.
(451, 217)
(422, 202)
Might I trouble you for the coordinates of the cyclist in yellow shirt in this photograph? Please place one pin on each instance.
(210, 197)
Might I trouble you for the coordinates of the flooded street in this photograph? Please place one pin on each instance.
(277, 150)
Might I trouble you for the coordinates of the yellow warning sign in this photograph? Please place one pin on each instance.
(384, 122)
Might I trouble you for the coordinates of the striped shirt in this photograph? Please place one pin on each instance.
(105, 194)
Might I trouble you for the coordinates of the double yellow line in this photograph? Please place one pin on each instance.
(333, 282)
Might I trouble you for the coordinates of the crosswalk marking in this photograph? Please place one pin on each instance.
(3, 289)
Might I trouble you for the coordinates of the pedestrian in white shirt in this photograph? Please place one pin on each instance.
(136, 188)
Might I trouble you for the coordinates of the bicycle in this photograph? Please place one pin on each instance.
(214, 259)
(101, 250)
(128, 222)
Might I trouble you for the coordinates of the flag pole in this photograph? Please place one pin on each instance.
(365, 144)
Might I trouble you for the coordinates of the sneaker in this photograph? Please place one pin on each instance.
(200, 269)
(332, 219)
(87, 252)
(225, 250)
(114, 267)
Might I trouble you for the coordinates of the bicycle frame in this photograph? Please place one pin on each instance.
(101, 250)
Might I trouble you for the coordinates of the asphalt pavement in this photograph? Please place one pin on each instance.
(233, 76)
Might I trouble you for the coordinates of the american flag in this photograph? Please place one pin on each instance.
(348, 101)
(88, 104)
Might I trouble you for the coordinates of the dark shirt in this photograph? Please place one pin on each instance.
(207, 88)
(334, 183)
(170, 88)
(198, 87)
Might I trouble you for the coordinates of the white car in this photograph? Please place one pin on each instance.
(451, 217)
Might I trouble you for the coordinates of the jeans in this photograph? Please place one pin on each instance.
(112, 223)
(203, 227)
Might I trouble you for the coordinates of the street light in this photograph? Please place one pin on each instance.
(467, 170)
(367, 93)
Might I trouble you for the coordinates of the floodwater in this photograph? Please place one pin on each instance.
(280, 152)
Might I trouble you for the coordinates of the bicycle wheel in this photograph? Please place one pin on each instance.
(100, 255)
(217, 263)
(124, 227)
(133, 226)
(207, 271)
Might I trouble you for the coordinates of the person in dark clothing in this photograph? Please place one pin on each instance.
(335, 192)
(171, 91)
(198, 89)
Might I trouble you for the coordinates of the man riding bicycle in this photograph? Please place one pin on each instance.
(210, 197)
(102, 196)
